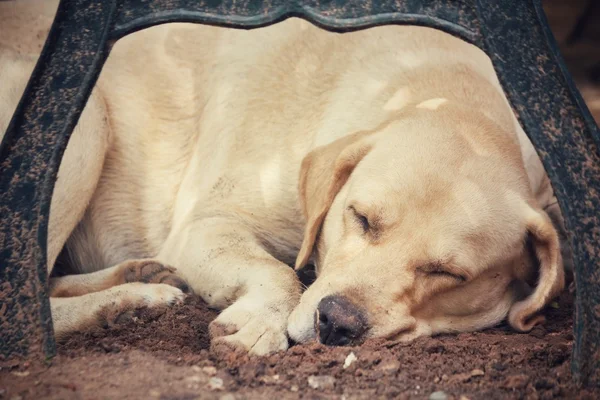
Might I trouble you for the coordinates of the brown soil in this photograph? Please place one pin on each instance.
(165, 355)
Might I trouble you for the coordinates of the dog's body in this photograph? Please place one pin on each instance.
(190, 154)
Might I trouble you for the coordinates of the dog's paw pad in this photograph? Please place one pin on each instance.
(112, 316)
(124, 317)
(145, 271)
(175, 281)
(150, 271)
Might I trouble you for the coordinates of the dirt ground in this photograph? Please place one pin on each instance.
(164, 354)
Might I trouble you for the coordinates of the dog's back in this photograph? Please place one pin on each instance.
(224, 117)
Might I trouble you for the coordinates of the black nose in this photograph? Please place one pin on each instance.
(339, 322)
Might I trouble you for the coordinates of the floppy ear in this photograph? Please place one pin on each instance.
(523, 314)
(323, 173)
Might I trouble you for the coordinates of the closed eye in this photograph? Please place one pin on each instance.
(437, 270)
(446, 274)
(362, 220)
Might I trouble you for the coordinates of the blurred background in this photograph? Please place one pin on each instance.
(576, 26)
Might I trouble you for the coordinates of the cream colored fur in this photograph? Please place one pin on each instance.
(190, 154)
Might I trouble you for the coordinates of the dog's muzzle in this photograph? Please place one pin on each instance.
(339, 322)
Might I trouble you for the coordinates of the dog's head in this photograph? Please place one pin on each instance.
(424, 225)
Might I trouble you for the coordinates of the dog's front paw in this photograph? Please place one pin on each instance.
(150, 271)
(126, 301)
(249, 325)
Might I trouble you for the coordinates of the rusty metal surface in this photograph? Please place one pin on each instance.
(30, 154)
(514, 33)
(458, 17)
(566, 137)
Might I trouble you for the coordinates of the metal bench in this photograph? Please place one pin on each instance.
(514, 33)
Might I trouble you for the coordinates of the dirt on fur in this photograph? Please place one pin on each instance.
(164, 355)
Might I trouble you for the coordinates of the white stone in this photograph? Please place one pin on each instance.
(438, 396)
(321, 382)
(215, 383)
(350, 359)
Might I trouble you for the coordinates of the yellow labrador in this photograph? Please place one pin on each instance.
(388, 157)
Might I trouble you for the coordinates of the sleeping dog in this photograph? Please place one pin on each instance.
(210, 160)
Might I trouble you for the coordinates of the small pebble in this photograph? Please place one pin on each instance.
(436, 380)
(196, 368)
(390, 367)
(210, 371)
(21, 374)
(294, 388)
(227, 396)
(269, 380)
(215, 383)
(350, 359)
(194, 379)
(321, 382)
(154, 393)
(516, 381)
(477, 372)
(438, 396)
(463, 397)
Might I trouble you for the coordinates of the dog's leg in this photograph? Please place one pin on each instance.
(83, 159)
(78, 175)
(146, 271)
(77, 313)
(225, 263)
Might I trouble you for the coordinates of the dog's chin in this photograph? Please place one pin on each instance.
(301, 328)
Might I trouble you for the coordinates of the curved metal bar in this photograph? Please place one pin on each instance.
(514, 33)
(455, 17)
(30, 154)
(566, 137)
